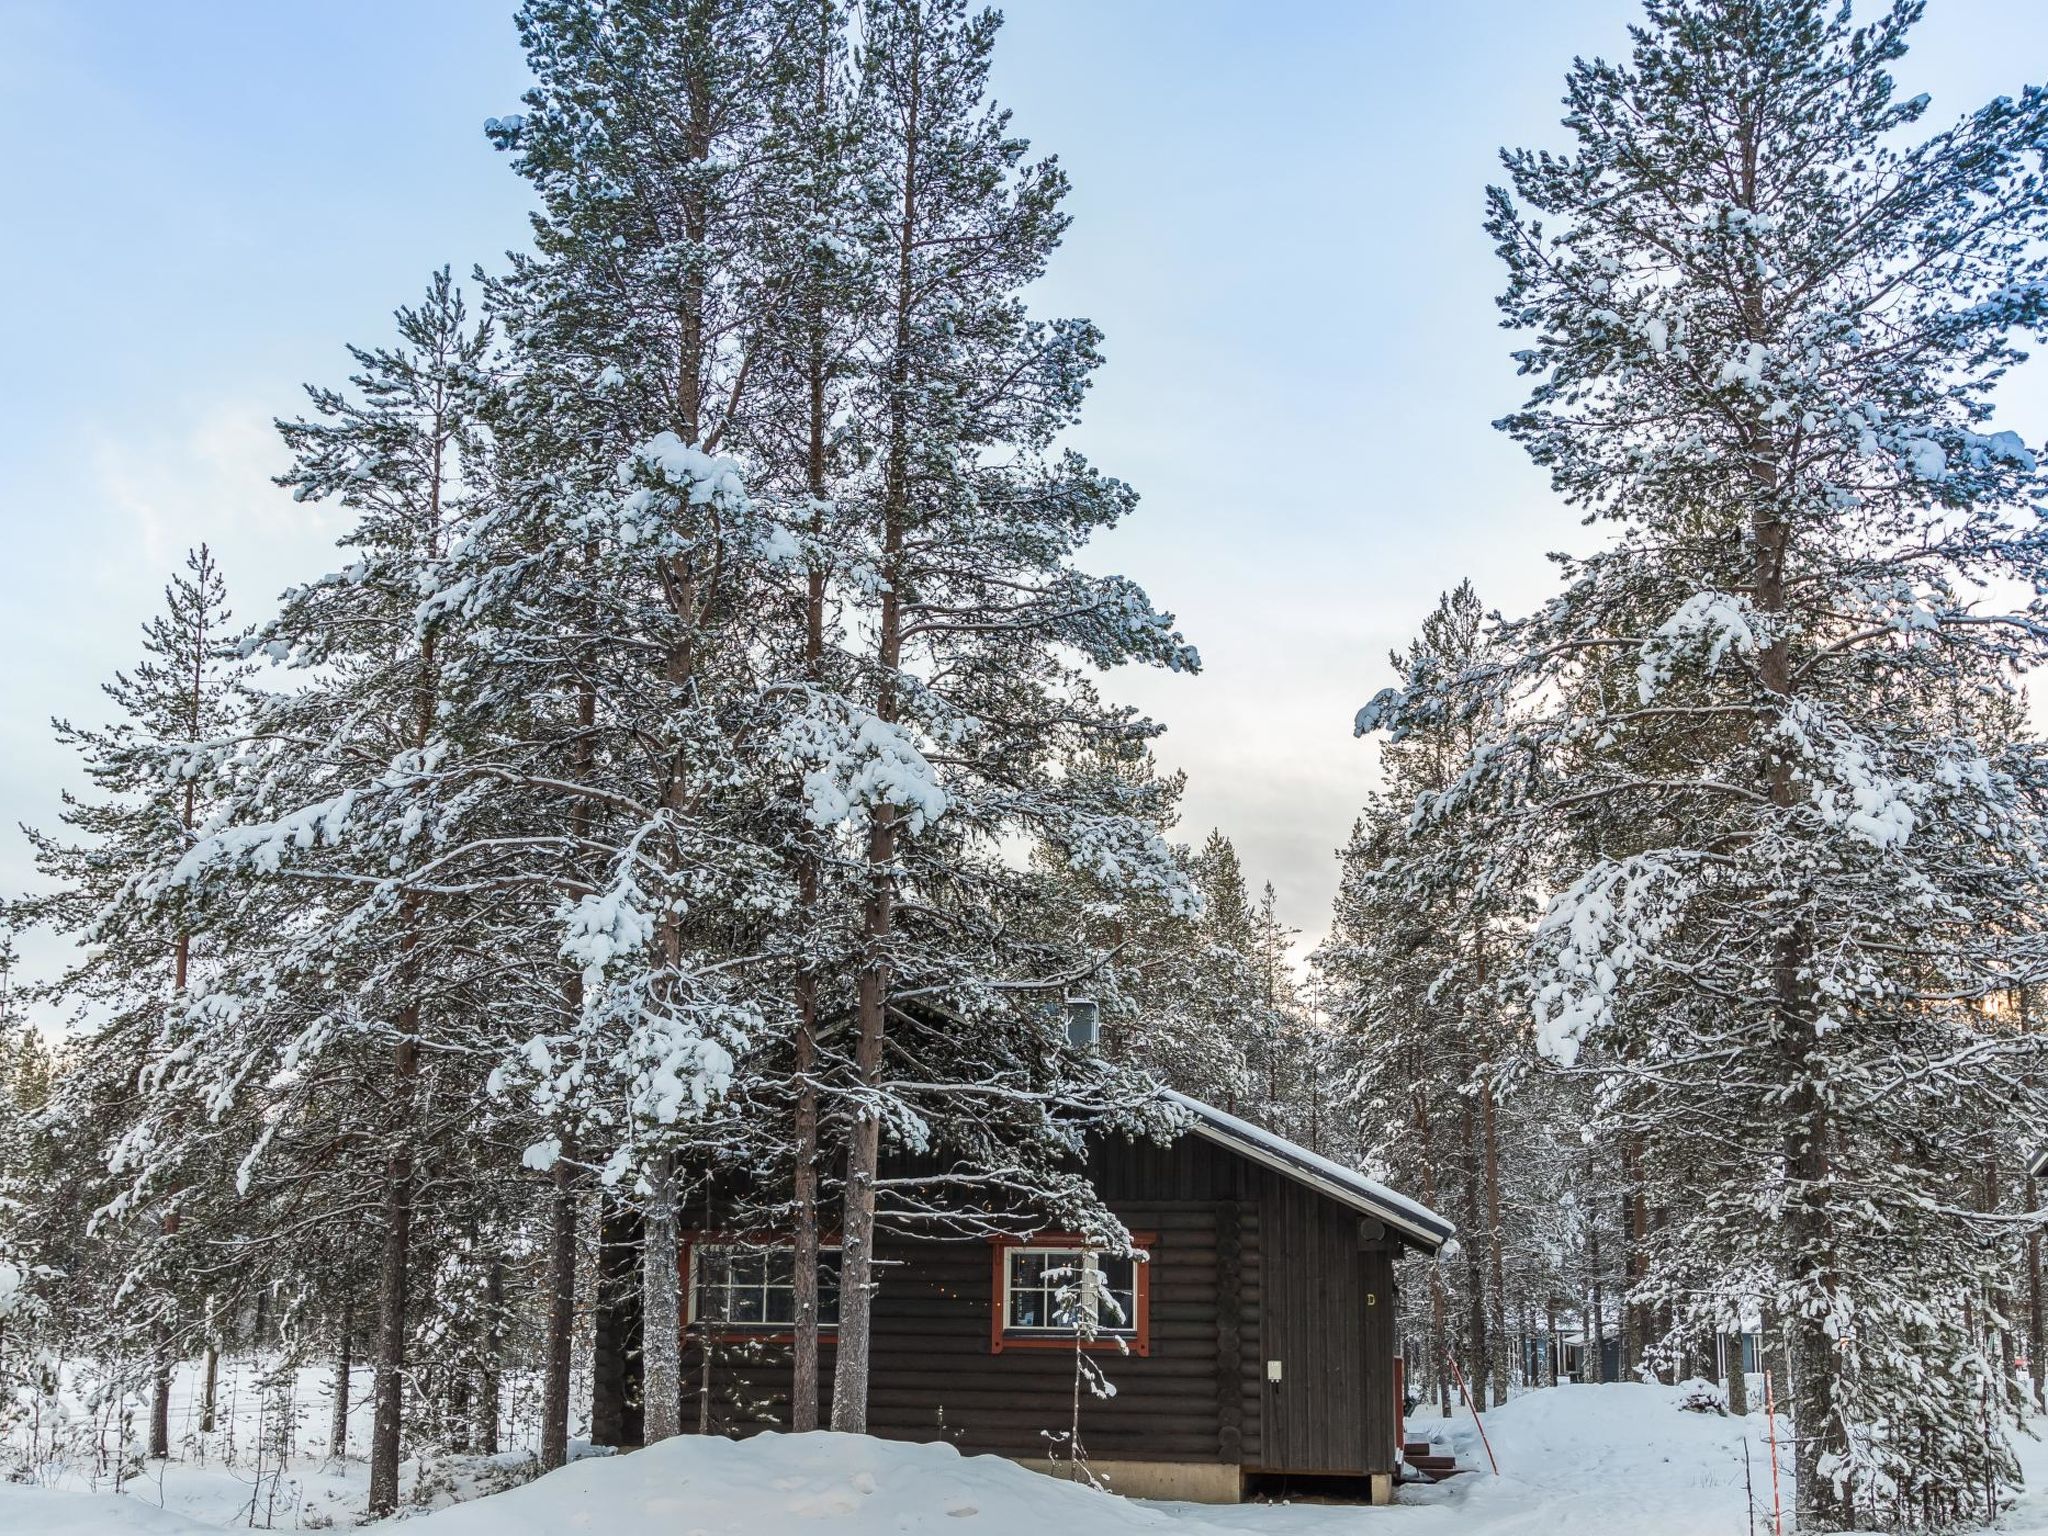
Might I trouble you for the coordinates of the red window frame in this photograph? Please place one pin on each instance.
(735, 1333)
(1138, 1341)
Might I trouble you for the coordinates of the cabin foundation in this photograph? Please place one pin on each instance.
(1191, 1482)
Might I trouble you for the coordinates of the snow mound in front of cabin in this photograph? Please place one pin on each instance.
(851, 1485)
(50, 1512)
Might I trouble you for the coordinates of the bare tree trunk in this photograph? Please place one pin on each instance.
(803, 1405)
(561, 1326)
(1439, 1327)
(803, 1390)
(2037, 1334)
(1635, 1313)
(488, 1408)
(1738, 1380)
(661, 1320)
(1496, 1266)
(707, 1340)
(1478, 1365)
(337, 1429)
(863, 1154)
(209, 1392)
(856, 1284)
(386, 1426)
(1598, 1370)
(160, 1398)
(618, 1285)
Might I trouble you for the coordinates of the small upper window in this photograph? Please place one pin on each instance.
(1052, 1293)
(732, 1286)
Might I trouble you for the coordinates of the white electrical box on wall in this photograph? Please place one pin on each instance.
(1272, 1370)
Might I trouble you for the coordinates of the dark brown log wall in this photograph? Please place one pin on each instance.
(1248, 1266)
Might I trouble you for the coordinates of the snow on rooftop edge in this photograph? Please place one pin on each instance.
(1433, 1227)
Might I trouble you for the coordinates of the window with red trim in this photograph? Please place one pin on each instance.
(1053, 1292)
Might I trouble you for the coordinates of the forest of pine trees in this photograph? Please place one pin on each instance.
(693, 760)
(1692, 942)
(702, 754)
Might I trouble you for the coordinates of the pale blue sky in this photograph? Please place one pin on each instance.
(1277, 215)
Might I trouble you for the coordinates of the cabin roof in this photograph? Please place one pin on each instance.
(1415, 1222)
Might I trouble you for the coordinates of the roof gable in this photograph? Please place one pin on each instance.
(1416, 1223)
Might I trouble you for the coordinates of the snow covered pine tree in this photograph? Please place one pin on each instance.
(1765, 737)
(155, 773)
(970, 702)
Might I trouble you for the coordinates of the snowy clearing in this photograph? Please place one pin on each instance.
(1618, 1460)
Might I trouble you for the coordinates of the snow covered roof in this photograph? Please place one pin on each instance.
(1415, 1222)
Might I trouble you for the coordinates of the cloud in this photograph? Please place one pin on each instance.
(207, 479)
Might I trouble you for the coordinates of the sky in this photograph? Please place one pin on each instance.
(1277, 215)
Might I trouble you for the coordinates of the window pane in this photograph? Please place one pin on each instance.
(1117, 1274)
(1026, 1269)
(1117, 1311)
(828, 1289)
(757, 1287)
(1027, 1309)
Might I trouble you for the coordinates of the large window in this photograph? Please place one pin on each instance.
(753, 1288)
(1051, 1292)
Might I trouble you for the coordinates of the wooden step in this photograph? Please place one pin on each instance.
(1416, 1448)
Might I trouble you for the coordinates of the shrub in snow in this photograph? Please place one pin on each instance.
(1697, 1396)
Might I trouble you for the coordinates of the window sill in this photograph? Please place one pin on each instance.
(765, 1333)
(1101, 1344)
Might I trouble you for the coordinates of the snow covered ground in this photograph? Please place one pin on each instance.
(1591, 1461)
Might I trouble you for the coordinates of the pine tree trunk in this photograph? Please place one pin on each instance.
(488, 1408)
(387, 1425)
(337, 1431)
(616, 1270)
(707, 1343)
(1439, 1327)
(2037, 1333)
(209, 1398)
(561, 1320)
(1636, 1213)
(1477, 1367)
(661, 1327)
(1496, 1267)
(1598, 1370)
(803, 1407)
(863, 1154)
(803, 1401)
(160, 1397)
(559, 1345)
(1738, 1381)
(856, 1283)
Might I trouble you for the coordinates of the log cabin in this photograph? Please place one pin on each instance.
(1251, 1344)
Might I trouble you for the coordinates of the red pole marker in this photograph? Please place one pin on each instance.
(1459, 1376)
